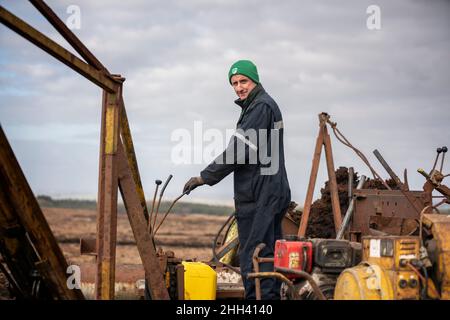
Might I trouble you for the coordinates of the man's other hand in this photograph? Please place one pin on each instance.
(193, 183)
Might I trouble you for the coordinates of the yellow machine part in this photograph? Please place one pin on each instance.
(232, 233)
(387, 251)
(200, 281)
(381, 276)
(440, 227)
(364, 282)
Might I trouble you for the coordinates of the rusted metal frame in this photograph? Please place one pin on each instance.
(256, 261)
(131, 156)
(349, 213)
(30, 216)
(276, 275)
(15, 249)
(403, 188)
(107, 196)
(67, 34)
(73, 40)
(312, 180)
(144, 241)
(19, 26)
(430, 185)
(258, 249)
(372, 203)
(180, 281)
(337, 217)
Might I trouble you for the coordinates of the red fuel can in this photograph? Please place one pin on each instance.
(295, 255)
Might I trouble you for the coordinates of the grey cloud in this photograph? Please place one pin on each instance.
(387, 89)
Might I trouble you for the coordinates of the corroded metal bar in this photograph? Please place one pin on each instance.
(98, 77)
(416, 204)
(27, 213)
(67, 34)
(131, 156)
(337, 217)
(349, 213)
(276, 275)
(312, 180)
(107, 197)
(144, 241)
(255, 257)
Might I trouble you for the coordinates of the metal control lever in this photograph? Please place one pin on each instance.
(444, 151)
(158, 183)
(167, 212)
(160, 197)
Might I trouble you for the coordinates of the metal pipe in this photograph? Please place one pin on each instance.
(444, 151)
(277, 275)
(258, 249)
(351, 174)
(349, 212)
(387, 167)
(438, 150)
(160, 197)
(308, 277)
(170, 208)
(157, 182)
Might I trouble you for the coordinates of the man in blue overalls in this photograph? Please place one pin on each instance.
(261, 189)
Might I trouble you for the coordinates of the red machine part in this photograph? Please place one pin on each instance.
(296, 255)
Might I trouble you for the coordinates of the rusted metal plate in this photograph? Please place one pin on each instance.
(88, 247)
(386, 204)
(393, 225)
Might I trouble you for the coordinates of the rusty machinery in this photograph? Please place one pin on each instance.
(370, 213)
(414, 266)
(119, 171)
(20, 214)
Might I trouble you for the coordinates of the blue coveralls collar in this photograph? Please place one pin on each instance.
(255, 92)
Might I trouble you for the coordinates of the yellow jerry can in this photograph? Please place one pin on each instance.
(200, 281)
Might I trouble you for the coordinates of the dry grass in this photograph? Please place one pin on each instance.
(188, 236)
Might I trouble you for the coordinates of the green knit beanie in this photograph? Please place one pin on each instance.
(246, 68)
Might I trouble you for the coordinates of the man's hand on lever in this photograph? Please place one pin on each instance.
(193, 183)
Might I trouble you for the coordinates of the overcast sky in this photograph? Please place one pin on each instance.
(387, 89)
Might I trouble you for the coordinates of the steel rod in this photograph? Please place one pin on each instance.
(349, 212)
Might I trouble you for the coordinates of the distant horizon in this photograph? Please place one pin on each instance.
(147, 198)
(213, 202)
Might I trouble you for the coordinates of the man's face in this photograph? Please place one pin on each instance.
(242, 85)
